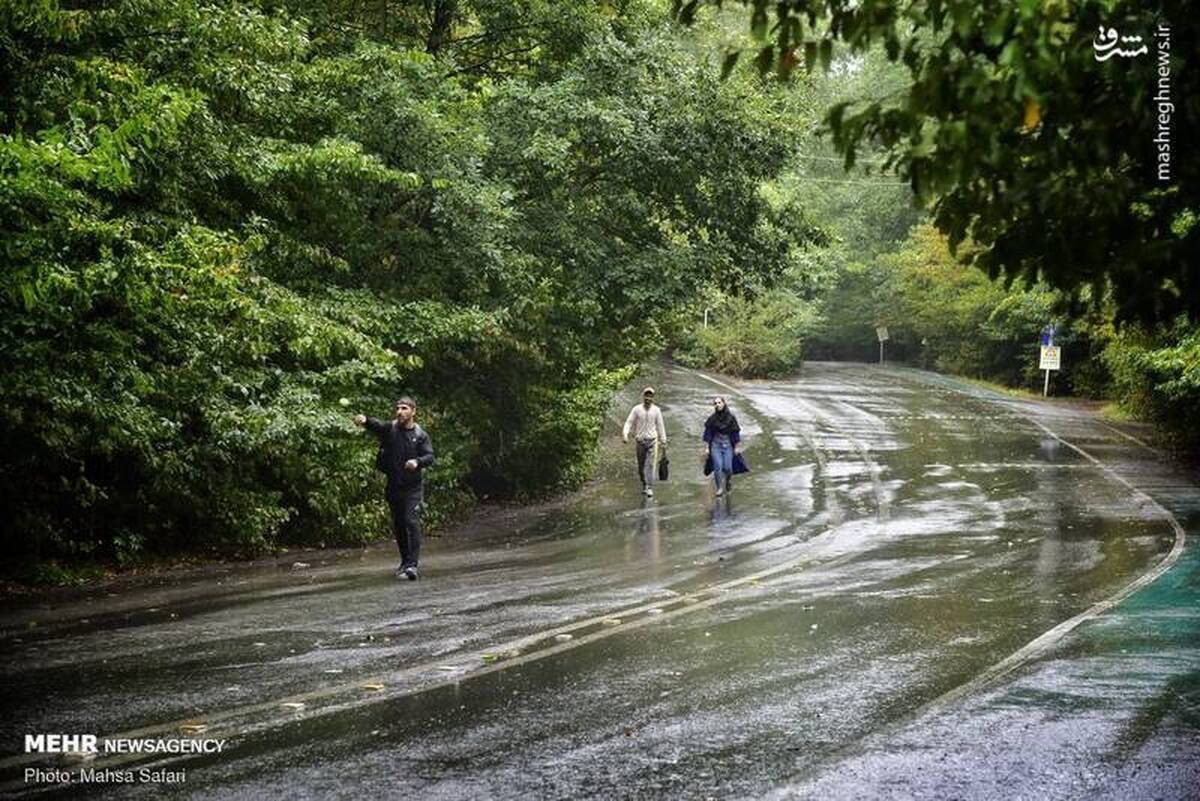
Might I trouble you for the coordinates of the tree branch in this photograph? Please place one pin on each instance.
(486, 61)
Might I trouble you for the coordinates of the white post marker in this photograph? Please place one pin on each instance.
(1051, 360)
(881, 332)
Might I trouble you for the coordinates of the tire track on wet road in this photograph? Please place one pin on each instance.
(836, 513)
(262, 716)
(883, 505)
(445, 672)
(1046, 641)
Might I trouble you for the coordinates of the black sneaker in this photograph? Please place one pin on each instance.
(410, 573)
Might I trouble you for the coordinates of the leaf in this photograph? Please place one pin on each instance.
(1033, 114)
(997, 29)
(28, 296)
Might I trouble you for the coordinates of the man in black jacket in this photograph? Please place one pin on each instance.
(404, 453)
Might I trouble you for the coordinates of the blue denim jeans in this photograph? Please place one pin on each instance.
(722, 459)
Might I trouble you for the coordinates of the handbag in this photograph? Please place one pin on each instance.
(664, 467)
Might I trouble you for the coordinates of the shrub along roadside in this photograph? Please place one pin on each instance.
(758, 338)
(1156, 377)
(944, 316)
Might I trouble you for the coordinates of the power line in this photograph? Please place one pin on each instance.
(851, 181)
(838, 159)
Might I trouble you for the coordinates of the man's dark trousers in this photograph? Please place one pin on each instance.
(406, 506)
(645, 452)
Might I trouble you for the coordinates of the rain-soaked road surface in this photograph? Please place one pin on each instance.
(917, 592)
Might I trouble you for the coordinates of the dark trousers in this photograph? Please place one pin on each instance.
(406, 523)
(645, 460)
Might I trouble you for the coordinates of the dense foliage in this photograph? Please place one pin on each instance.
(1156, 376)
(228, 225)
(757, 338)
(1038, 161)
(943, 316)
(1022, 140)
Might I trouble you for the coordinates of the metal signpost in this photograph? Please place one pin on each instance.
(1051, 356)
(881, 332)
(1051, 359)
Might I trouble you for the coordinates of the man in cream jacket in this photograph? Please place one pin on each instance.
(645, 422)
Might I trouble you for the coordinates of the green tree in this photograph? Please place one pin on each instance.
(228, 225)
(1020, 138)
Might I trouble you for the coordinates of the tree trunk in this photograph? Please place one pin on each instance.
(439, 31)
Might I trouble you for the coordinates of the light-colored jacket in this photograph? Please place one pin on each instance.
(645, 424)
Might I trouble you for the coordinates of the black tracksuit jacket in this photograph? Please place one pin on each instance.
(400, 444)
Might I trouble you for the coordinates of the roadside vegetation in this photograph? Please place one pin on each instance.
(229, 225)
(976, 205)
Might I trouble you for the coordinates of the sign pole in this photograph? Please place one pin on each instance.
(881, 351)
(1051, 357)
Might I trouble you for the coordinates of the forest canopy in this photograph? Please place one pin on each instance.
(227, 225)
(1021, 139)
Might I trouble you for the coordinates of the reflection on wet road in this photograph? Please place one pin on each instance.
(900, 536)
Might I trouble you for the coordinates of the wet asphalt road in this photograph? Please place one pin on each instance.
(831, 630)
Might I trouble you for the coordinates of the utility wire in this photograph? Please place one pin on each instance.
(851, 181)
(837, 159)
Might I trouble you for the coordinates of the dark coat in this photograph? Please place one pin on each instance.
(739, 465)
(735, 436)
(396, 446)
